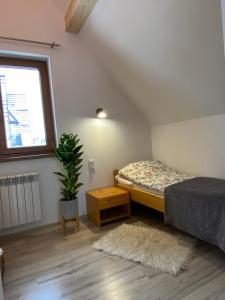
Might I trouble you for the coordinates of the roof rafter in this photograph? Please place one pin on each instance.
(77, 13)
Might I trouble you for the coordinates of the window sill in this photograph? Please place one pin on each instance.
(26, 157)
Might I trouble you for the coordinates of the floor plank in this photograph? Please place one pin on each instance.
(42, 265)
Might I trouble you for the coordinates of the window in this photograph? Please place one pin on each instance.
(26, 118)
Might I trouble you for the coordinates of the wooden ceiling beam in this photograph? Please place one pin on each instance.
(77, 13)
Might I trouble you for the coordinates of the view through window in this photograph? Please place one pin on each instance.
(26, 113)
(22, 107)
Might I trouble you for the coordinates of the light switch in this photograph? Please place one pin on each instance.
(91, 164)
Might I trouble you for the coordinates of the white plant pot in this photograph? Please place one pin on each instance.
(69, 209)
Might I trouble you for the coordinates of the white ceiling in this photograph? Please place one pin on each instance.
(62, 5)
(167, 56)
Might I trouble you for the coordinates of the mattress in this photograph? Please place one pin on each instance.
(152, 175)
(120, 180)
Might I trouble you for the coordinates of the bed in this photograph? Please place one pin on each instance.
(195, 205)
(147, 180)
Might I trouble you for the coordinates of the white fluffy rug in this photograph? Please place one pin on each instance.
(148, 246)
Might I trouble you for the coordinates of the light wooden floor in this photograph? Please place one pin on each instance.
(43, 266)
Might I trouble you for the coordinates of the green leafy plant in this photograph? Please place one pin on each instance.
(69, 154)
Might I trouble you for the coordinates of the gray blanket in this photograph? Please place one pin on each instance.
(197, 206)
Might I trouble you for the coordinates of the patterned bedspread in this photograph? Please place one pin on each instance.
(152, 174)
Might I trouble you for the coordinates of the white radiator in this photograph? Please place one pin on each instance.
(19, 200)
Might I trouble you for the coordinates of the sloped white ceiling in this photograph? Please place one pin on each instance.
(62, 5)
(166, 55)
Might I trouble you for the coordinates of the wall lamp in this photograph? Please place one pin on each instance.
(101, 114)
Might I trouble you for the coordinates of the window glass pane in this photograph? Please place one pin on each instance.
(22, 107)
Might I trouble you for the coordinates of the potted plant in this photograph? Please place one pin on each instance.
(69, 154)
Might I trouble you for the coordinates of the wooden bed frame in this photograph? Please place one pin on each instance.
(146, 198)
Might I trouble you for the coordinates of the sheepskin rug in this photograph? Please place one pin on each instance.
(167, 252)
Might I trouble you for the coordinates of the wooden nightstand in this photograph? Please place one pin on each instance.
(108, 204)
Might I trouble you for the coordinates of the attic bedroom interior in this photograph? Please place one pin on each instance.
(112, 150)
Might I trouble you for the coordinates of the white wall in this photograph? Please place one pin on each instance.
(80, 85)
(196, 146)
(166, 55)
(223, 20)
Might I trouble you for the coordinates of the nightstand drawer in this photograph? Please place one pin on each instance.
(113, 201)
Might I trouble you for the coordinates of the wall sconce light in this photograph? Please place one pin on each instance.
(101, 114)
